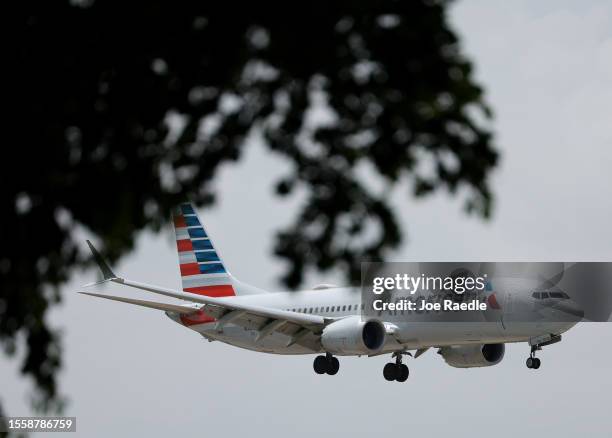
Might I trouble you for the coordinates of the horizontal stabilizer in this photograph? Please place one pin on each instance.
(150, 304)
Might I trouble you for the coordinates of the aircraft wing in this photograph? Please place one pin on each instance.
(217, 306)
(304, 329)
(143, 303)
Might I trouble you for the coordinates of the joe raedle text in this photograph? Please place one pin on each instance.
(424, 305)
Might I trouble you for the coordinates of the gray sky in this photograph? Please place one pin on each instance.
(547, 68)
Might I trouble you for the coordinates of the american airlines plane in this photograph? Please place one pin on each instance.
(329, 321)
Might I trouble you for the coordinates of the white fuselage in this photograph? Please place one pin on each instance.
(412, 332)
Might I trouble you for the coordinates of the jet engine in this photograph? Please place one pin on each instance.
(470, 356)
(352, 335)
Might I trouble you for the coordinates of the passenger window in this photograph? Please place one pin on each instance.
(327, 309)
(556, 295)
(344, 308)
(536, 295)
(544, 295)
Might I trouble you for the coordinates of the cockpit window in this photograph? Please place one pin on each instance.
(561, 295)
(545, 295)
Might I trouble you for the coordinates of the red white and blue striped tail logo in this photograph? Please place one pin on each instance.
(202, 270)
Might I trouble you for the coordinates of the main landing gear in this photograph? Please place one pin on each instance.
(533, 362)
(326, 364)
(396, 371)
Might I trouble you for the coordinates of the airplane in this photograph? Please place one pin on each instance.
(329, 321)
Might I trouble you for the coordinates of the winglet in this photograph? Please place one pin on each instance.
(107, 272)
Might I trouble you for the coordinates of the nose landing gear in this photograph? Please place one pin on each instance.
(326, 364)
(533, 362)
(537, 343)
(396, 371)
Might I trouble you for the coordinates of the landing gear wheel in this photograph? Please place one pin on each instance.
(333, 365)
(532, 361)
(402, 373)
(390, 372)
(320, 365)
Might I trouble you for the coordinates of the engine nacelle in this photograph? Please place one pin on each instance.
(352, 335)
(469, 356)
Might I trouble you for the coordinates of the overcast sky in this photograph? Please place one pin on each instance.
(547, 69)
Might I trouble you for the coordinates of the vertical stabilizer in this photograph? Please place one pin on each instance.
(202, 270)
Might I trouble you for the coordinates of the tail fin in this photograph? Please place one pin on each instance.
(202, 270)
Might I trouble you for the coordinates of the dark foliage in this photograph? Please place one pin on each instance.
(98, 82)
